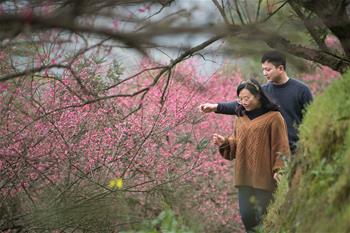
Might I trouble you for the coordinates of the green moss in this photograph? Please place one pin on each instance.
(318, 199)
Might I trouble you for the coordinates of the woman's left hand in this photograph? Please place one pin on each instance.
(277, 176)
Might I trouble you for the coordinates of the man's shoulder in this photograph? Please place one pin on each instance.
(265, 85)
(292, 84)
(298, 83)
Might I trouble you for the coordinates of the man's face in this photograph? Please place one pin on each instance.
(271, 72)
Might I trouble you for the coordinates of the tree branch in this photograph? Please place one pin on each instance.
(334, 15)
(31, 71)
(221, 10)
(274, 40)
(318, 37)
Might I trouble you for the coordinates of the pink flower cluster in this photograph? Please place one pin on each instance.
(48, 135)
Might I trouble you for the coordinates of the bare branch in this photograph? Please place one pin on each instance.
(239, 12)
(135, 75)
(258, 11)
(275, 12)
(221, 10)
(163, 97)
(32, 71)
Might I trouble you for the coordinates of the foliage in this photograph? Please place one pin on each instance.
(319, 190)
(165, 222)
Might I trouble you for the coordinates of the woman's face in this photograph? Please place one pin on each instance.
(248, 100)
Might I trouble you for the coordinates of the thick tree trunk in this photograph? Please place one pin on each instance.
(334, 15)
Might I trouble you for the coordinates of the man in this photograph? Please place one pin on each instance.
(290, 94)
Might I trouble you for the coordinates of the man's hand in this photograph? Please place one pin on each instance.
(218, 139)
(208, 107)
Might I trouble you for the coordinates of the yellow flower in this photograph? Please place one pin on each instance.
(111, 184)
(119, 183)
(116, 183)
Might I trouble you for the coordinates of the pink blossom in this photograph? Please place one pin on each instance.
(3, 87)
(332, 42)
(116, 24)
(2, 55)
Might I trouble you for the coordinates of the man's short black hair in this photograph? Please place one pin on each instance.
(274, 57)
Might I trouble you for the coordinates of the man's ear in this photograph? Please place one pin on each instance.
(280, 67)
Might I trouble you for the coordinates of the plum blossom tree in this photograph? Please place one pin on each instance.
(55, 138)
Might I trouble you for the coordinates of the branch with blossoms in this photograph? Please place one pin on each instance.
(163, 70)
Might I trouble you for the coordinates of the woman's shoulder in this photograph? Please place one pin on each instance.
(274, 115)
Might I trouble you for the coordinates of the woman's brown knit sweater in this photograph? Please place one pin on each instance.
(261, 144)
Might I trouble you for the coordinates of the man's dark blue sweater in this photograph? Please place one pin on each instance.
(292, 97)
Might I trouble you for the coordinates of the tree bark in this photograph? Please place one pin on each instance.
(333, 13)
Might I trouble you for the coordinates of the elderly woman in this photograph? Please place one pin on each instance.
(258, 144)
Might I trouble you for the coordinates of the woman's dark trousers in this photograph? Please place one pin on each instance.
(252, 205)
